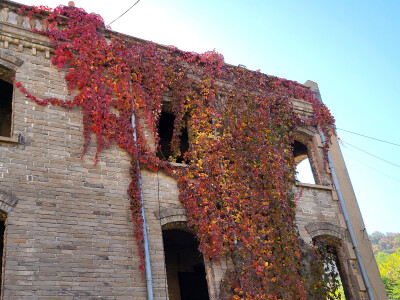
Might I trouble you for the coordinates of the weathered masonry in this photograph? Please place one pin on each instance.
(66, 225)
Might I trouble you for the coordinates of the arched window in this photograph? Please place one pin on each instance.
(304, 172)
(329, 240)
(335, 265)
(186, 275)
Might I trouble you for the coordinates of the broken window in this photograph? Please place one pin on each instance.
(186, 274)
(165, 131)
(304, 171)
(6, 95)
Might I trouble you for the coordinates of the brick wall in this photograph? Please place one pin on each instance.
(71, 231)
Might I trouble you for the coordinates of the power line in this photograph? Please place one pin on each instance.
(368, 166)
(369, 137)
(370, 154)
(125, 12)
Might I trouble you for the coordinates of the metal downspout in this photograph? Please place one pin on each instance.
(347, 220)
(149, 278)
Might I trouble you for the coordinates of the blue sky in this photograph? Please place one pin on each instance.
(350, 48)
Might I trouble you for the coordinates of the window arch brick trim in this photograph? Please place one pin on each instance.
(325, 229)
(7, 201)
(305, 134)
(9, 65)
(171, 215)
(9, 60)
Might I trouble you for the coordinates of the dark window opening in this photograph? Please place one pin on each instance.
(300, 151)
(165, 131)
(304, 171)
(6, 92)
(2, 231)
(186, 274)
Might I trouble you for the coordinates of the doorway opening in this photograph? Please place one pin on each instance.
(186, 274)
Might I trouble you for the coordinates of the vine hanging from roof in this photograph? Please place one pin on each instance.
(237, 190)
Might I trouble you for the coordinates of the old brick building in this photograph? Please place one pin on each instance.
(66, 223)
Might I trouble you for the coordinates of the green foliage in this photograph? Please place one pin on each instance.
(389, 267)
(338, 293)
(387, 254)
(381, 257)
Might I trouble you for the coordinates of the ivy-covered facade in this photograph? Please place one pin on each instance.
(97, 126)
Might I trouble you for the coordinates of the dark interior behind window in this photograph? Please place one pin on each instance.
(6, 91)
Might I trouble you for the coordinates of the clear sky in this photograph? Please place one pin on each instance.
(350, 48)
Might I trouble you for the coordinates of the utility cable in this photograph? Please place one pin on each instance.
(366, 165)
(370, 154)
(124, 12)
(369, 137)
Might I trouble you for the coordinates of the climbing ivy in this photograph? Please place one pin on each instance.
(237, 189)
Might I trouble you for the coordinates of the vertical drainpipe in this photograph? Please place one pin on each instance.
(149, 278)
(347, 220)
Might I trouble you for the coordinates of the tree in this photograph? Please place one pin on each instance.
(389, 267)
(387, 243)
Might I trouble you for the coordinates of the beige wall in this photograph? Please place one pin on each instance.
(357, 223)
